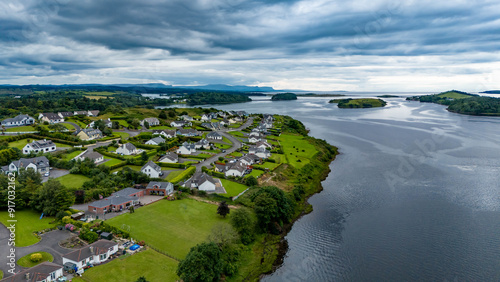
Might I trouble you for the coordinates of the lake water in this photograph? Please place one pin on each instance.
(414, 195)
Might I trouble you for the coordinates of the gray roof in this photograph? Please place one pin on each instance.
(187, 132)
(237, 166)
(41, 144)
(94, 112)
(81, 112)
(213, 134)
(126, 192)
(91, 132)
(257, 150)
(158, 140)
(100, 247)
(152, 165)
(160, 185)
(200, 178)
(16, 118)
(40, 162)
(51, 115)
(188, 145)
(91, 155)
(36, 273)
(66, 114)
(129, 146)
(170, 155)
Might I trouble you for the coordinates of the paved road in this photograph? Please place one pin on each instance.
(49, 244)
(77, 127)
(236, 144)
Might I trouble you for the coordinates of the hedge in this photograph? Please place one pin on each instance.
(184, 175)
(145, 146)
(174, 165)
(108, 154)
(118, 165)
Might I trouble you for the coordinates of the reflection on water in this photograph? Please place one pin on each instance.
(414, 195)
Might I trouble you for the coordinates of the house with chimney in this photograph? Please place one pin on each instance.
(186, 149)
(43, 146)
(169, 157)
(214, 136)
(180, 123)
(91, 155)
(127, 149)
(50, 118)
(235, 169)
(151, 121)
(93, 254)
(38, 164)
(203, 182)
(45, 271)
(152, 170)
(19, 120)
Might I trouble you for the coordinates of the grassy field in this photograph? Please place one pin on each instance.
(28, 221)
(97, 97)
(150, 264)
(112, 148)
(21, 143)
(112, 161)
(20, 129)
(71, 155)
(255, 173)
(73, 180)
(123, 135)
(279, 158)
(453, 95)
(26, 261)
(171, 226)
(232, 188)
(297, 149)
(235, 133)
(222, 146)
(68, 126)
(173, 174)
(133, 167)
(268, 165)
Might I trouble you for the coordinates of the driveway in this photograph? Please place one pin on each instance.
(77, 127)
(49, 243)
(55, 173)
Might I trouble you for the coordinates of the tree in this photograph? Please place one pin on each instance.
(272, 207)
(146, 124)
(29, 174)
(223, 209)
(115, 125)
(244, 223)
(251, 181)
(141, 279)
(132, 209)
(57, 127)
(221, 159)
(162, 115)
(202, 263)
(144, 156)
(52, 198)
(223, 235)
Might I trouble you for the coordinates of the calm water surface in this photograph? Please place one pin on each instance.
(414, 195)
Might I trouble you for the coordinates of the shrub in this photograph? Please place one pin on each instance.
(36, 257)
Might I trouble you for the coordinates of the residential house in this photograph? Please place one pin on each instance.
(186, 149)
(93, 113)
(259, 152)
(219, 167)
(65, 115)
(89, 134)
(214, 136)
(159, 188)
(155, 141)
(44, 146)
(152, 170)
(50, 118)
(38, 164)
(222, 114)
(165, 133)
(80, 113)
(235, 119)
(235, 169)
(107, 123)
(127, 149)
(254, 139)
(180, 123)
(95, 253)
(205, 117)
(188, 132)
(117, 201)
(203, 182)
(203, 143)
(186, 118)
(91, 155)
(169, 157)
(263, 144)
(249, 159)
(241, 113)
(225, 122)
(150, 121)
(45, 272)
(19, 120)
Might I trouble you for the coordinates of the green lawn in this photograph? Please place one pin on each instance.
(150, 264)
(20, 129)
(171, 226)
(28, 221)
(73, 180)
(161, 127)
(236, 154)
(68, 126)
(232, 188)
(235, 133)
(112, 161)
(453, 95)
(297, 148)
(222, 146)
(26, 261)
(224, 139)
(279, 158)
(112, 148)
(122, 122)
(81, 124)
(173, 174)
(21, 143)
(255, 173)
(268, 165)
(133, 167)
(71, 155)
(1, 274)
(123, 135)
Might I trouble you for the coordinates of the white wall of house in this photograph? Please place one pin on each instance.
(28, 149)
(206, 186)
(95, 259)
(233, 172)
(184, 151)
(151, 172)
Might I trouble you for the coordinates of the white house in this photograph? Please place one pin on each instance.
(45, 272)
(214, 136)
(187, 118)
(89, 134)
(259, 152)
(186, 149)
(254, 139)
(180, 123)
(80, 113)
(263, 144)
(169, 157)
(91, 155)
(38, 164)
(19, 120)
(249, 159)
(203, 182)
(203, 143)
(93, 113)
(205, 117)
(165, 133)
(236, 169)
(50, 118)
(127, 149)
(107, 122)
(150, 121)
(152, 170)
(92, 254)
(155, 141)
(188, 132)
(44, 146)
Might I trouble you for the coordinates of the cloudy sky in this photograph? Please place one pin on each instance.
(358, 45)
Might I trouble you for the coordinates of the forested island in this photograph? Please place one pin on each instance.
(203, 98)
(284, 97)
(388, 96)
(463, 102)
(359, 103)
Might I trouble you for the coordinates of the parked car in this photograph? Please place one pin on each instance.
(46, 174)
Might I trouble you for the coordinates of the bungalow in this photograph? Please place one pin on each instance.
(150, 121)
(219, 167)
(169, 157)
(50, 118)
(19, 120)
(80, 113)
(267, 124)
(205, 117)
(45, 271)
(203, 143)
(44, 146)
(89, 134)
(38, 164)
(225, 122)
(236, 169)
(203, 182)
(155, 141)
(127, 149)
(259, 152)
(95, 253)
(93, 113)
(222, 114)
(152, 170)
(117, 201)
(254, 139)
(235, 119)
(241, 113)
(107, 123)
(159, 188)
(263, 144)
(187, 118)
(214, 136)
(180, 123)
(187, 132)
(65, 114)
(186, 149)
(249, 159)
(91, 155)
(165, 133)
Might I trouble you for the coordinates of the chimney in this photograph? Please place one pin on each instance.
(27, 276)
(91, 250)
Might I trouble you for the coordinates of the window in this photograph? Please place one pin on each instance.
(95, 209)
(53, 275)
(102, 257)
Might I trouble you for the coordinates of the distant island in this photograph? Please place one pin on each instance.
(203, 98)
(389, 96)
(463, 103)
(492, 92)
(320, 95)
(284, 97)
(359, 103)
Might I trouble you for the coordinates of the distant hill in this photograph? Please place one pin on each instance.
(492, 92)
(224, 87)
(443, 98)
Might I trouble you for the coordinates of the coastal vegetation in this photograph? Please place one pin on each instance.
(283, 97)
(388, 96)
(359, 103)
(203, 98)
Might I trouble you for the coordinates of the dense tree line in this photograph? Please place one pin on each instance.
(476, 106)
(202, 98)
(284, 96)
